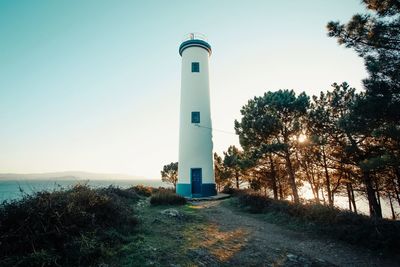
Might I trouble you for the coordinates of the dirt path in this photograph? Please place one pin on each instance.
(235, 238)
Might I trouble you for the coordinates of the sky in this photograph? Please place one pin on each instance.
(94, 85)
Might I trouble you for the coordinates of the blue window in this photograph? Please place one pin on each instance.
(195, 117)
(195, 67)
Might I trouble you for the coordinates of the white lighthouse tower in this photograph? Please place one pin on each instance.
(195, 169)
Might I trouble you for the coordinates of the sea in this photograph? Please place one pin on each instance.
(16, 189)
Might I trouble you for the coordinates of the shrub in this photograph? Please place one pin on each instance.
(160, 188)
(142, 190)
(230, 190)
(255, 202)
(344, 225)
(72, 227)
(166, 197)
(116, 192)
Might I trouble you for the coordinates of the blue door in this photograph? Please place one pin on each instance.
(196, 181)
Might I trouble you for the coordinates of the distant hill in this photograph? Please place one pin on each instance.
(68, 175)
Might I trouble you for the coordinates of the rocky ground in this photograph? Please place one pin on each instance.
(215, 233)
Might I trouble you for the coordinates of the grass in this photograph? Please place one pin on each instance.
(161, 240)
(356, 229)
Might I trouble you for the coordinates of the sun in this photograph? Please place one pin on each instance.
(302, 138)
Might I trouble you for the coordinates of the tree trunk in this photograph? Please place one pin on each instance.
(353, 199)
(316, 187)
(280, 190)
(349, 196)
(396, 191)
(397, 172)
(391, 207)
(374, 208)
(311, 181)
(323, 195)
(237, 180)
(328, 180)
(378, 196)
(273, 178)
(317, 196)
(292, 179)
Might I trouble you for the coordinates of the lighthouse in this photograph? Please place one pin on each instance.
(195, 169)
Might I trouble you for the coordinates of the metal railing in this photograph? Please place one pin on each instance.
(194, 36)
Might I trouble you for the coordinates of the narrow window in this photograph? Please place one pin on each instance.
(195, 117)
(195, 67)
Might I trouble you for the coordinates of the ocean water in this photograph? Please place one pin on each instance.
(16, 189)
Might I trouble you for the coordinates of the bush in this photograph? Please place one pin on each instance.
(230, 190)
(142, 190)
(255, 202)
(116, 192)
(353, 228)
(166, 197)
(73, 227)
(160, 188)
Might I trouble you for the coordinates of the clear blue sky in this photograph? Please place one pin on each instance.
(94, 85)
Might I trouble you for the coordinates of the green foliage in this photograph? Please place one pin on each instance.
(383, 7)
(376, 37)
(268, 115)
(166, 197)
(375, 114)
(270, 124)
(222, 173)
(233, 157)
(355, 229)
(79, 226)
(169, 173)
(235, 164)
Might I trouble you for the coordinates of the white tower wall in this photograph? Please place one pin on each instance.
(195, 139)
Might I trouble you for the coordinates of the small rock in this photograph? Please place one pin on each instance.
(171, 213)
(291, 257)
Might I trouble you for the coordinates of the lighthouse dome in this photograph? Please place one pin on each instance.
(195, 39)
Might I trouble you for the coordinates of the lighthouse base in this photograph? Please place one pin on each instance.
(185, 190)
